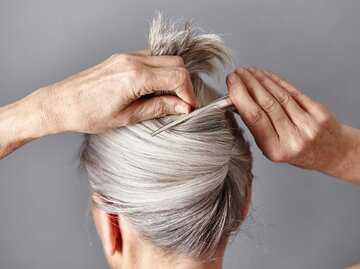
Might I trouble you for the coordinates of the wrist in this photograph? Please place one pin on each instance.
(20, 122)
(57, 108)
(48, 111)
(30, 117)
(347, 155)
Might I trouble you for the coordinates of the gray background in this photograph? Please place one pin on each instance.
(300, 219)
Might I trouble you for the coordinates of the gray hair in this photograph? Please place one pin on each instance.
(185, 189)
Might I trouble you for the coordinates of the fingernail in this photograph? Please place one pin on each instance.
(181, 109)
(252, 69)
(233, 78)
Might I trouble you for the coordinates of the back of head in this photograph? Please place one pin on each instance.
(184, 190)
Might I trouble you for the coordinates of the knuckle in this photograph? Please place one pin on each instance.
(277, 79)
(288, 153)
(159, 108)
(145, 79)
(135, 79)
(321, 108)
(295, 92)
(131, 61)
(115, 56)
(311, 134)
(277, 156)
(263, 80)
(268, 104)
(135, 74)
(124, 57)
(324, 116)
(182, 75)
(127, 60)
(138, 71)
(125, 121)
(131, 94)
(283, 97)
(261, 77)
(253, 118)
(325, 119)
(178, 60)
(298, 147)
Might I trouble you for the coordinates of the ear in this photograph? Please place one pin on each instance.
(107, 226)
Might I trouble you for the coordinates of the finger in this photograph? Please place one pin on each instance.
(175, 79)
(154, 107)
(308, 104)
(140, 53)
(284, 98)
(253, 116)
(158, 61)
(267, 102)
(162, 61)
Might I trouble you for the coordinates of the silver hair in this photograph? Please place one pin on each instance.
(184, 190)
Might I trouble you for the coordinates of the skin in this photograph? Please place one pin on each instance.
(108, 95)
(124, 248)
(288, 126)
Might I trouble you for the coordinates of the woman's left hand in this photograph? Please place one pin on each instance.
(288, 126)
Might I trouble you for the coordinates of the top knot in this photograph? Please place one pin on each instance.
(200, 52)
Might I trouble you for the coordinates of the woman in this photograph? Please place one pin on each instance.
(172, 201)
(274, 110)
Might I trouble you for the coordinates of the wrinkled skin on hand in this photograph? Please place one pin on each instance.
(288, 126)
(108, 95)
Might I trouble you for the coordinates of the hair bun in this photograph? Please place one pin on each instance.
(201, 52)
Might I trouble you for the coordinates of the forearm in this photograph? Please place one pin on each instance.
(24, 121)
(348, 166)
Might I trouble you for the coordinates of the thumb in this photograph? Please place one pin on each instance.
(154, 107)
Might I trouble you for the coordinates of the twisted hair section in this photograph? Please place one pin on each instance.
(184, 190)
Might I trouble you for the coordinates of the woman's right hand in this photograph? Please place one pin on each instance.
(105, 96)
(108, 94)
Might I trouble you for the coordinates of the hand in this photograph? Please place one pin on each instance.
(287, 125)
(109, 94)
(114, 93)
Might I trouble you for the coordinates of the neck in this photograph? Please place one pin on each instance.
(148, 258)
(138, 254)
(178, 263)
